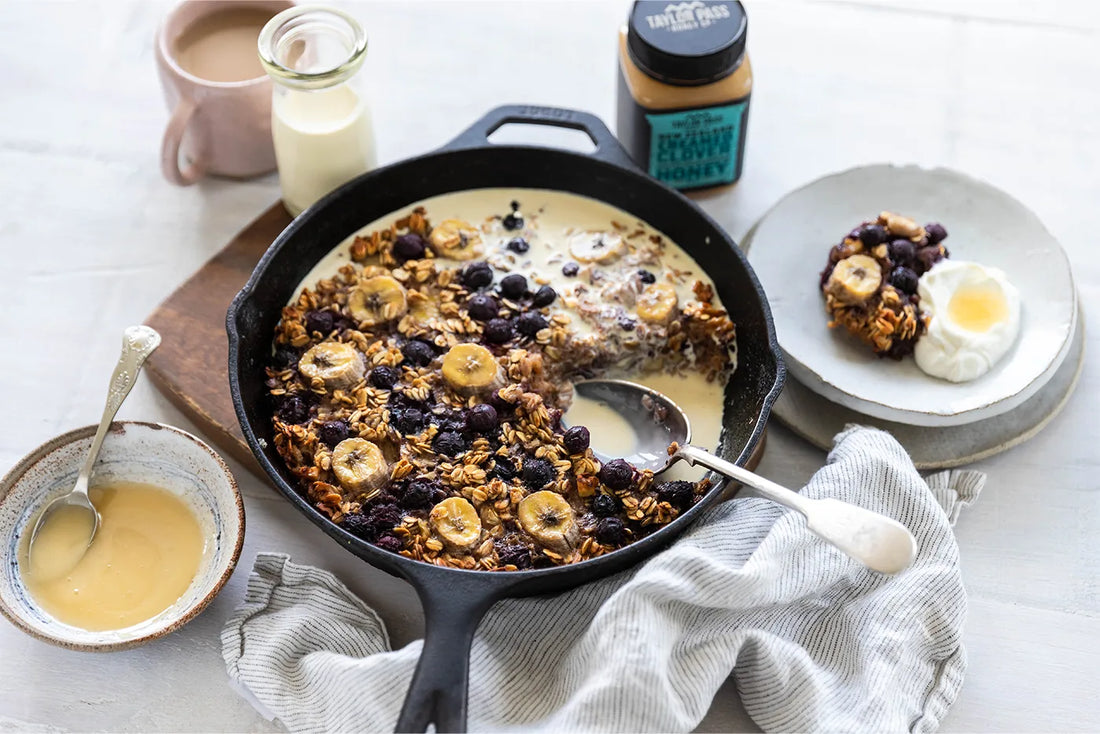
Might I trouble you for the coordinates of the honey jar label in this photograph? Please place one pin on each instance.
(697, 147)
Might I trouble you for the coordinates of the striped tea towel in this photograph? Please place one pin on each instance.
(815, 642)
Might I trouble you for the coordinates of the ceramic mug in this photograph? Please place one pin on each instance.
(216, 128)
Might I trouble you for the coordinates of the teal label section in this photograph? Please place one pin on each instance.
(694, 148)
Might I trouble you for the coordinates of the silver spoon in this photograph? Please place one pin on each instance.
(138, 342)
(878, 542)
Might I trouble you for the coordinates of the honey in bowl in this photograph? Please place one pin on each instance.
(143, 557)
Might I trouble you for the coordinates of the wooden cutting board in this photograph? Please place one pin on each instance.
(191, 366)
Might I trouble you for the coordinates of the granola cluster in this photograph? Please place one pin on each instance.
(870, 281)
(419, 401)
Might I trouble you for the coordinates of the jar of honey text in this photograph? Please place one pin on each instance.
(684, 87)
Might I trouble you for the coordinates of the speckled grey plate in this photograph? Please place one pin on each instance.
(818, 420)
(788, 248)
(150, 453)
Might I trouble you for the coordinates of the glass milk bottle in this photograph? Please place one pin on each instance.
(320, 120)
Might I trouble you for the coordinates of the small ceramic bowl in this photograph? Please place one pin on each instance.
(150, 453)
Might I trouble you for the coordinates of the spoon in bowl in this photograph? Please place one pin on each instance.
(878, 542)
(75, 509)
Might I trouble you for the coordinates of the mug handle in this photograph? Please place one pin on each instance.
(170, 147)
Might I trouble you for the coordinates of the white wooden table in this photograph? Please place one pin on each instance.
(92, 239)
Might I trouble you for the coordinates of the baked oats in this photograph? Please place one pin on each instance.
(870, 281)
(418, 393)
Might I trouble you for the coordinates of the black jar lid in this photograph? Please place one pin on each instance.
(687, 43)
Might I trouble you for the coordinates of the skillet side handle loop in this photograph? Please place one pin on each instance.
(608, 148)
(438, 692)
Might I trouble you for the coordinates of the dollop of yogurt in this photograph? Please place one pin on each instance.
(974, 319)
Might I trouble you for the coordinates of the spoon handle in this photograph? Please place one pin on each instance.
(775, 492)
(138, 342)
(878, 542)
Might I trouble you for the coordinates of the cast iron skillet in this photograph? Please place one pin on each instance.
(455, 600)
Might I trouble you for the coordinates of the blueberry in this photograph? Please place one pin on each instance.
(503, 406)
(904, 279)
(576, 439)
(390, 543)
(372, 521)
(293, 410)
(418, 353)
(407, 420)
(399, 400)
(679, 494)
(482, 307)
(537, 473)
(513, 286)
(419, 494)
(927, 257)
(610, 531)
(384, 378)
(482, 418)
(544, 296)
(872, 234)
(570, 269)
(285, 358)
(333, 432)
(936, 233)
(531, 323)
(449, 443)
(499, 331)
(514, 554)
(518, 245)
(357, 524)
(477, 275)
(451, 421)
(344, 322)
(503, 468)
(627, 324)
(604, 505)
(320, 321)
(646, 277)
(385, 515)
(617, 474)
(513, 220)
(901, 252)
(409, 246)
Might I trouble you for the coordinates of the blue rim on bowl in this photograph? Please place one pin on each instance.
(134, 451)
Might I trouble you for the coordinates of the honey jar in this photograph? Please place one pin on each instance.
(684, 87)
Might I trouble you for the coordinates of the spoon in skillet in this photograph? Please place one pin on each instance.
(878, 542)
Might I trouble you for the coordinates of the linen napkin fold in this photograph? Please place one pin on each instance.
(815, 642)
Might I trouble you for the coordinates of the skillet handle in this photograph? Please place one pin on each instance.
(439, 688)
(608, 148)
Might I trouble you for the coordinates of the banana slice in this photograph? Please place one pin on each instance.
(549, 519)
(854, 280)
(456, 239)
(455, 521)
(471, 369)
(378, 300)
(657, 304)
(596, 247)
(339, 365)
(359, 466)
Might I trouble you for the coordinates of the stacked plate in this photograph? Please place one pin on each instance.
(836, 380)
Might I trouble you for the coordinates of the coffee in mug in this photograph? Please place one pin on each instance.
(217, 90)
